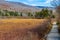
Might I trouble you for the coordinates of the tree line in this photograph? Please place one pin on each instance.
(44, 13)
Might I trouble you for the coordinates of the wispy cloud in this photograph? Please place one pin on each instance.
(35, 2)
(48, 1)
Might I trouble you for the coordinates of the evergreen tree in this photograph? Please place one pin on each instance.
(21, 14)
(30, 14)
(7, 14)
(16, 14)
(0, 13)
(11, 13)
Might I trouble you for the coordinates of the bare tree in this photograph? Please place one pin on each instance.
(56, 3)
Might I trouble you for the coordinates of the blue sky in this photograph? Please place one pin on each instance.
(34, 2)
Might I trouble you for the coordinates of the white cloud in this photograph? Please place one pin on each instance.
(25, 2)
(48, 1)
(33, 4)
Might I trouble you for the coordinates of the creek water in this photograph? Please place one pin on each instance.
(53, 35)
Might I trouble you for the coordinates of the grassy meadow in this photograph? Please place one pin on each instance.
(25, 26)
(23, 29)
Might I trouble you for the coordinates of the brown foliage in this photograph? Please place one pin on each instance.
(23, 29)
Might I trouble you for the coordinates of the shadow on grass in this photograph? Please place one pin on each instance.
(25, 34)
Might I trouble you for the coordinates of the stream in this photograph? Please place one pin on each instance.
(53, 35)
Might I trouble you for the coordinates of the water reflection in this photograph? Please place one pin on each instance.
(53, 38)
(54, 34)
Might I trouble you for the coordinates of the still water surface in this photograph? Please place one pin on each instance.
(53, 35)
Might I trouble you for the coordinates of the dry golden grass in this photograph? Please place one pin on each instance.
(23, 29)
(9, 24)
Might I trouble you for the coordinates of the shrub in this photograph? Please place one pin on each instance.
(42, 14)
(11, 13)
(53, 16)
(16, 14)
(7, 14)
(30, 14)
(21, 14)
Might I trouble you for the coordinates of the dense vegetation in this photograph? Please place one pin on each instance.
(8, 13)
(56, 3)
(24, 29)
(44, 13)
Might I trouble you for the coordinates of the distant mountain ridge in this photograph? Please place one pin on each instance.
(44, 7)
(18, 3)
(17, 6)
(20, 7)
